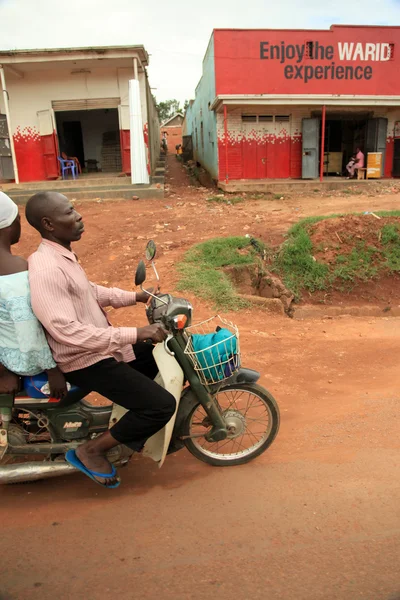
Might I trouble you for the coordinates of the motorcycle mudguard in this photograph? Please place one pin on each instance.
(245, 376)
(171, 374)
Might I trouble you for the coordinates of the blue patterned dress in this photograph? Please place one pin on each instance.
(23, 346)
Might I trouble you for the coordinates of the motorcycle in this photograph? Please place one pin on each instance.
(223, 416)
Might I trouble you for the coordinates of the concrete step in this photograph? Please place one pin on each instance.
(287, 185)
(105, 193)
(72, 190)
(67, 183)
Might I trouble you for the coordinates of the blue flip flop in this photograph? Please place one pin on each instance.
(73, 460)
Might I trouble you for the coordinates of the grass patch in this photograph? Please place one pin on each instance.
(391, 243)
(359, 264)
(200, 271)
(299, 270)
(295, 263)
(225, 199)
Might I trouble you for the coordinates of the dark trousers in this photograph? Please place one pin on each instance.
(130, 385)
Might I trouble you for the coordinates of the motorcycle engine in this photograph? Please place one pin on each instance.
(71, 425)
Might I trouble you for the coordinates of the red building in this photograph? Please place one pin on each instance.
(172, 130)
(270, 100)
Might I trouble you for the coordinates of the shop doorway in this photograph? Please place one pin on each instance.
(342, 137)
(344, 132)
(91, 136)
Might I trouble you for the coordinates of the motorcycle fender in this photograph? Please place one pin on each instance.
(171, 374)
(187, 403)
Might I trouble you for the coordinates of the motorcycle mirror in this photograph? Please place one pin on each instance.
(151, 249)
(140, 275)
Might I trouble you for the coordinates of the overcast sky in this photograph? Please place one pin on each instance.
(174, 33)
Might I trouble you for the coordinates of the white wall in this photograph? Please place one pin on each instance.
(37, 89)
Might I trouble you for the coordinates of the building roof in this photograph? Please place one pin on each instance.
(63, 54)
(177, 114)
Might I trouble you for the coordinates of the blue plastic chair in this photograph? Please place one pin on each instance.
(67, 165)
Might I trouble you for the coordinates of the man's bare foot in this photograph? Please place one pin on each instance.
(96, 462)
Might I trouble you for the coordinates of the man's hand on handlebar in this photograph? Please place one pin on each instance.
(156, 333)
(144, 297)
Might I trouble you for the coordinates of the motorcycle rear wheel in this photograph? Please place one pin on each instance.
(252, 417)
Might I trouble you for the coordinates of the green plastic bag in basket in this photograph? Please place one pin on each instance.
(216, 353)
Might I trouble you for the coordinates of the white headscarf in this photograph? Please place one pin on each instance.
(8, 211)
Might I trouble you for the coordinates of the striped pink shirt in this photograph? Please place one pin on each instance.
(70, 309)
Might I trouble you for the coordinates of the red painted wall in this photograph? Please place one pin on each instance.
(245, 62)
(268, 158)
(260, 150)
(29, 154)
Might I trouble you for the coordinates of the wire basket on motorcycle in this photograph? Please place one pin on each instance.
(213, 349)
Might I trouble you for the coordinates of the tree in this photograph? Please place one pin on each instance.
(168, 108)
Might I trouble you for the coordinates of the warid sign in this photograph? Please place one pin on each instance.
(297, 56)
(343, 60)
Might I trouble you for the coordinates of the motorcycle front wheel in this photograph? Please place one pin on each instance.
(251, 415)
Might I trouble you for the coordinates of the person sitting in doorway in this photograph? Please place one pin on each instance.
(356, 162)
(23, 347)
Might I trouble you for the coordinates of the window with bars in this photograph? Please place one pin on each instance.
(265, 118)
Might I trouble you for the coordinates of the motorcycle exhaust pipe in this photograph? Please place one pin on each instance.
(32, 471)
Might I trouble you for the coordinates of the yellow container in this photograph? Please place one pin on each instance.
(374, 165)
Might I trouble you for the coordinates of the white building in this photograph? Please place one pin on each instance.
(73, 102)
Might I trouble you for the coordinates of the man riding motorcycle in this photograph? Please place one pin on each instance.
(112, 361)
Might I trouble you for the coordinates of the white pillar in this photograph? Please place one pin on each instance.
(135, 69)
(139, 172)
(7, 109)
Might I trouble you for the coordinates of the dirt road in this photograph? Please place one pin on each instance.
(314, 518)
